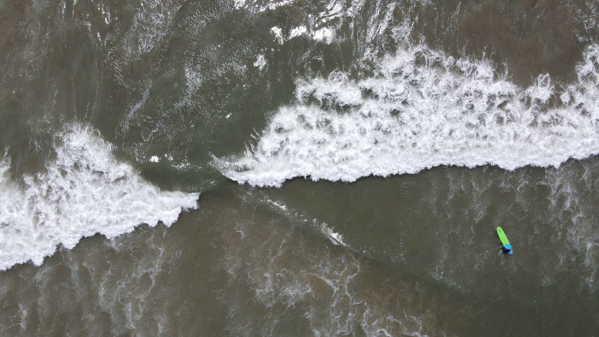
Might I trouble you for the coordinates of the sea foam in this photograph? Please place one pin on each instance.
(418, 109)
(84, 191)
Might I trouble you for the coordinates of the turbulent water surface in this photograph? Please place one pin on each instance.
(299, 168)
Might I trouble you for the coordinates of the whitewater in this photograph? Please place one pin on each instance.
(418, 109)
(85, 190)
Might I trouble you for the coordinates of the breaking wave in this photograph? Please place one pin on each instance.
(84, 191)
(418, 109)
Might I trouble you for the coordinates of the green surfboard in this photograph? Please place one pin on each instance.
(504, 241)
(502, 237)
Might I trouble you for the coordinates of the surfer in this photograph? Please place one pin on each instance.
(506, 250)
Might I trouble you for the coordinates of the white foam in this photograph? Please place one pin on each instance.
(239, 3)
(324, 34)
(334, 237)
(278, 34)
(420, 109)
(261, 6)
(298, 31)
(318, 25)
(84, 191)
(260, 62)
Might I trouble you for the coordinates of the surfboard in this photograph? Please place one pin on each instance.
(504, 241)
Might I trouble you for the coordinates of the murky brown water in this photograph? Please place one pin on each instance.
(317, 216)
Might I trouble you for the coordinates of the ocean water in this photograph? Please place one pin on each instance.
(299, 168)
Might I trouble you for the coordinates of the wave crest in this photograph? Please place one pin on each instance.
(420, 109)
(84, 191)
